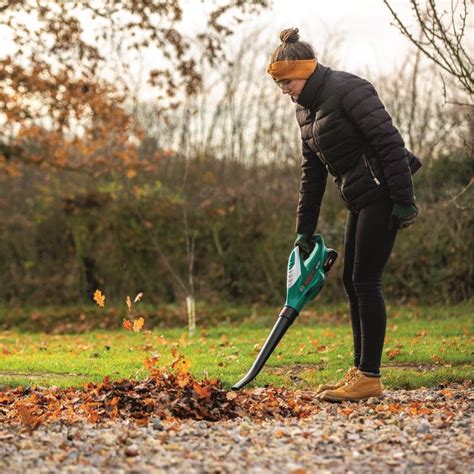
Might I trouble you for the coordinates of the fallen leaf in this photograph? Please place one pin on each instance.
(128, 301)
(28, 418)
(99, 298)
(203, 392)
(447, 393)
(392, 353)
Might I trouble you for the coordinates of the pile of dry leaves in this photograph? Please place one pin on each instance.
(167, 393)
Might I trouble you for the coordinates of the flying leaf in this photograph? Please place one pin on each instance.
(150, 362)
(138, 324)
(99, 298)
(138, 297)
(127, 324)
(184, 369)
(128, 301)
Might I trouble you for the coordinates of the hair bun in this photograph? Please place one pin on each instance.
(289, 35)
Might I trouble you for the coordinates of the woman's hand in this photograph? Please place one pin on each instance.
(403, 215)
(305, 243)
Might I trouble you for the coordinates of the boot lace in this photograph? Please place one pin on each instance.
(350, 374)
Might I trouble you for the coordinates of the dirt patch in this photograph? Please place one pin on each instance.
(424, 367)
(51, 375)
(295, 369)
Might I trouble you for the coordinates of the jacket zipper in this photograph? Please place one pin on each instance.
(334, 173)
(371, 171)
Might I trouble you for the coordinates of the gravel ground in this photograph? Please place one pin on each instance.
(371, 436)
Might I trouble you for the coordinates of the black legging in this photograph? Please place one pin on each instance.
(367, 247)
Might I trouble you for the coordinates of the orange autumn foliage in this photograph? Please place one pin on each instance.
(127, 324)
(99, 298)
(58, 110)
(90, 130)
(138, 324)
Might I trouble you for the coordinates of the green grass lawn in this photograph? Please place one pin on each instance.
(424, 346)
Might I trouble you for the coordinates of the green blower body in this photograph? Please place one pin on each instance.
(305, 279)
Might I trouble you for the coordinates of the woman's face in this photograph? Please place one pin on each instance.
(292, 87)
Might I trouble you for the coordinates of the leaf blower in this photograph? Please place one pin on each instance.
(305, 279)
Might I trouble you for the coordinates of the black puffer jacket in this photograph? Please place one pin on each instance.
(346, 130)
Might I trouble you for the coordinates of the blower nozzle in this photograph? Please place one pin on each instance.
(284, 321)
(305, 280)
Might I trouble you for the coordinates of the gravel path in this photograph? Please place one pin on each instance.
(434, 435)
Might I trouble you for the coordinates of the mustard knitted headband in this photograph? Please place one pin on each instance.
(292, 69)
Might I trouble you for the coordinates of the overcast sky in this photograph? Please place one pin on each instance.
(368, 40)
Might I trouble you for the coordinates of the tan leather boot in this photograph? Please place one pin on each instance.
(359, 387)
(349, 374)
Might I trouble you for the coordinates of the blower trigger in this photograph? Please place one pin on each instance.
(330, 259)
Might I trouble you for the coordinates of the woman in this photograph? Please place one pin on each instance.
(347, 132)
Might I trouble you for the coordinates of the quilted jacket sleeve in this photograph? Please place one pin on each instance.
(363, 106)
(312, 187)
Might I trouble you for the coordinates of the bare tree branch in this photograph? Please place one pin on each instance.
(439, 41)
(459, 194)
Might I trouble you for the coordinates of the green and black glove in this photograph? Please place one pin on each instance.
(305, 243)
(403, 215)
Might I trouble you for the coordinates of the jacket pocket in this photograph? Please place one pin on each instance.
(370, 170)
